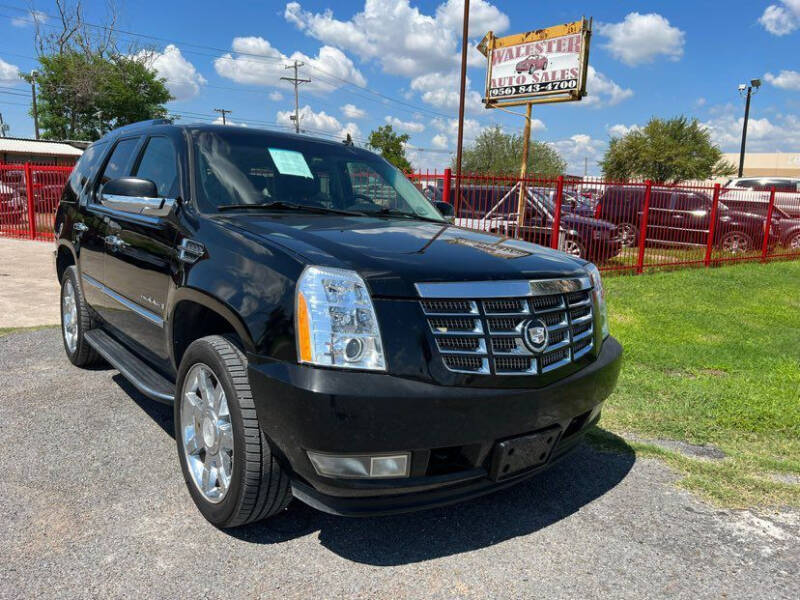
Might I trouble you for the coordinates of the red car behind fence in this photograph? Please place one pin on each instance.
(29, 196)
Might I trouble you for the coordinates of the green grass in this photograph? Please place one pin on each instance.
(9, 330)
(712, 356)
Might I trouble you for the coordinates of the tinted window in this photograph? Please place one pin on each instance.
(159, 164)
(84, 170)
(118, 164)
(661, 199)
(690, 202)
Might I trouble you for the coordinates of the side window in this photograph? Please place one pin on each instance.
(661, 200)
(690, 202)
(118, 164)
(84, 170)
(367, 182)
(784, 185)
(159, 164)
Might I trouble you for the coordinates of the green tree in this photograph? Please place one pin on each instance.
(88, 86)
(500, 153)
(391, 146)
(665, 151)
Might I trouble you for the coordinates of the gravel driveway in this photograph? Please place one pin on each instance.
(93, 505)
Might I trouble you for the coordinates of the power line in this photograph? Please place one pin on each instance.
(223, 112)
(259, 57)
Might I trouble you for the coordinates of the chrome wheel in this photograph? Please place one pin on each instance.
(69, 316)
(628, 234)
(735, 243)
(207, 433)
(794, 243)
(573, 248)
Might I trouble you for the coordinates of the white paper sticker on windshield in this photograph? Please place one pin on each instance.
(290, 162)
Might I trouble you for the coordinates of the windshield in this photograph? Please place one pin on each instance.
(238, 168)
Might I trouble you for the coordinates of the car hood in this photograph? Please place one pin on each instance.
(394, 254)
(578, 221)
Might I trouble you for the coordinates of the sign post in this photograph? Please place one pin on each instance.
(541, 66)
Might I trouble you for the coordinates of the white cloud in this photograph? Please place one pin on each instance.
(399, 36)
(781, 19)
(442, 91)
(439, 141)
(700, 102)
(483, 16)
(228, 121)
(351, 111)
(405, 126)
(763, 135)
(255, 61)
(316, 123)
(33, 17)
(621, 130)
(183, 80)
(787, 80)
(602, 91)
(352, 129)
(275, 96)
(472, 127)
(641, 38)
(8, 73)
(580, 150)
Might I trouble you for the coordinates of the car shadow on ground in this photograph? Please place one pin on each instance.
(571, 484)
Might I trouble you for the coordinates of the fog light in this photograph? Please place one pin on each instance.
(360, 467)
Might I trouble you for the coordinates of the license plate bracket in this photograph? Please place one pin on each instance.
(521, 453)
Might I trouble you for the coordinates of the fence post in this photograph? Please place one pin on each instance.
(556, 233)
(446, 189)
(712, 225)
(767, 224)
(643, 226)
(31, 211)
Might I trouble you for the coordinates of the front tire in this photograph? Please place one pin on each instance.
(736, 242)
(629, 234)
(76, 320)
(574, 247)
(227, 462)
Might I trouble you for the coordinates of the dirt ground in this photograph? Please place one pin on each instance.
(28, 286)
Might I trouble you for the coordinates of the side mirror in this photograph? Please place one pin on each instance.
(130, 187)
(447, 210)
(137, 196)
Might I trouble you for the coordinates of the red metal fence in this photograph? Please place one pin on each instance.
(627, 226)
(29, 196)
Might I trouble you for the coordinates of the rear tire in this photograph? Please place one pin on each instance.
(227, 462)
(76, 320)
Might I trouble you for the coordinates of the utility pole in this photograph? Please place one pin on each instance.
(748, 91)
(99, 115)
(585, 166)
(33, 99)
(223, 112)
(460, 142)
(296, 81)
(3, 126)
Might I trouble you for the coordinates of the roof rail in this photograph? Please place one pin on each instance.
(140, 125)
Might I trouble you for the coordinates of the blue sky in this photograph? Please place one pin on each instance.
(396, 61)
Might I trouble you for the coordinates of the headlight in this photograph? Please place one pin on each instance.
(599, 298)
(335, 321)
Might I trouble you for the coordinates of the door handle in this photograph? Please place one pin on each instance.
(80, 227)
(115, 243)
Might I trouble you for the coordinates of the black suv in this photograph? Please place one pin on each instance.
(680, 217)
(322, 331)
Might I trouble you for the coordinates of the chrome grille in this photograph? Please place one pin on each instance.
(485, 336)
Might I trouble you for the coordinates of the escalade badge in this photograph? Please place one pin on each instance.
(535, 335)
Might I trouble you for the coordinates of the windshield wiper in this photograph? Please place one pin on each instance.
(281, 205)
(394, 212)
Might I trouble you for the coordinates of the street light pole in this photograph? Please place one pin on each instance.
(748, 90)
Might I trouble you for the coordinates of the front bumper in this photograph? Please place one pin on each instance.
(451, 432)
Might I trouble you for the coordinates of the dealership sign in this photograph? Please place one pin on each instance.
(545, 65)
